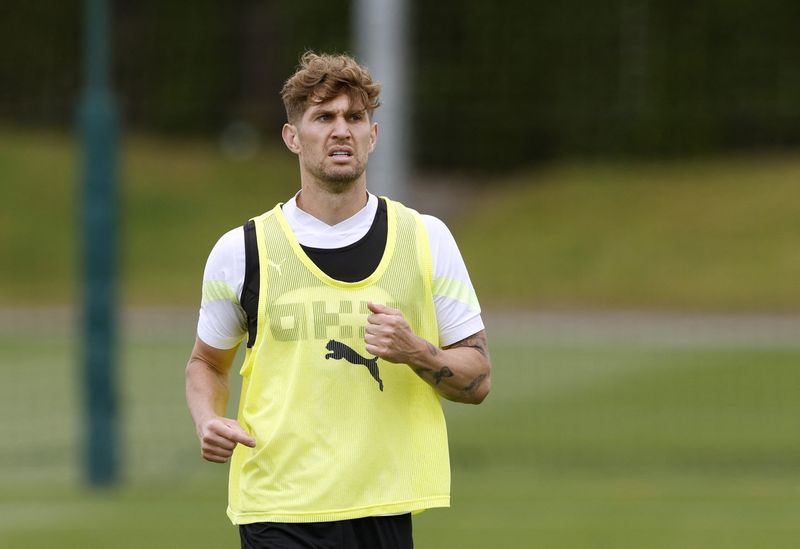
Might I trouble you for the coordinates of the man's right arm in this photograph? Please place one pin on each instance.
(207, 396)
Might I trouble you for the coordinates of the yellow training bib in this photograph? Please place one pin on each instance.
(340, 434)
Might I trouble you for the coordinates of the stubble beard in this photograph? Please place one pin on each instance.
(337, 181)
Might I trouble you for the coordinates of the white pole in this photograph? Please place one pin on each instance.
(381, 43)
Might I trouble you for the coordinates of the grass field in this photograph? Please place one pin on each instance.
(590, 445)
(704, 234)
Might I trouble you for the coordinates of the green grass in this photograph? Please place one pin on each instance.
(719, 234)
(502, 508)
(37, 217)
(589, 446)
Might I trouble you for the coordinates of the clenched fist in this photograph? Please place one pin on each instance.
(219, 436)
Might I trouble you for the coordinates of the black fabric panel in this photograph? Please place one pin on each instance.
(252, 280)
(357, 261)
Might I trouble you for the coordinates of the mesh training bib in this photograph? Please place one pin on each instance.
(340, 434)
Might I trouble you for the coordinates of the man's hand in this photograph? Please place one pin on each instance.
(460, 372)
(219, 436)
(389, 336)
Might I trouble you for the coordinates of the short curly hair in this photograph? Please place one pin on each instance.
(320, 78)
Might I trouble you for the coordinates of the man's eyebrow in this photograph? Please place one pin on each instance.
(321, 110)
(317, 111)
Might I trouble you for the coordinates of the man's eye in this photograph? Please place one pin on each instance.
(357, 117)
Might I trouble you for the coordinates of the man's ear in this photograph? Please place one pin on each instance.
(373, 136)
(289, 135)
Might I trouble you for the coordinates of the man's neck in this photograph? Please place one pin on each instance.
(332, 208)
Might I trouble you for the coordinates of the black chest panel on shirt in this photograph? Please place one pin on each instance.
(348, 264)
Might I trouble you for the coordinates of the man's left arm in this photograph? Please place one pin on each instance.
(460, 372)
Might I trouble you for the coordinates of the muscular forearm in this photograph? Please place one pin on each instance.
(206, 391)
(207, 382)
(460, 372)
(207, 396)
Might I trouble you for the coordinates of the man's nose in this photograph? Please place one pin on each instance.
(340, 128)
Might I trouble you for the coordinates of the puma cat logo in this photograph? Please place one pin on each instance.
(276, 266)
(339, 350)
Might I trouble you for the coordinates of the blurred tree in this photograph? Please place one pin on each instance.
(177, 63)
(39, 61)
(495, 85)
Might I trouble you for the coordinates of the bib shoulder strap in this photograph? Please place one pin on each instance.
(252, 281)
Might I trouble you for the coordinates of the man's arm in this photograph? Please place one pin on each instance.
(460, 372)
(207, 397)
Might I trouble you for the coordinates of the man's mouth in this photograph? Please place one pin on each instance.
(340, 154)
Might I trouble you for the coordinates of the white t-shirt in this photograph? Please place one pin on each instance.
(223, 323)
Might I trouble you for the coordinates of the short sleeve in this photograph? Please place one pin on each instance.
(458, 312)
(222, 322)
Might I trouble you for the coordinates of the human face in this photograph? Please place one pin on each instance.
(333, 140)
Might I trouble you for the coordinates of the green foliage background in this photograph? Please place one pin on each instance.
(495, 86)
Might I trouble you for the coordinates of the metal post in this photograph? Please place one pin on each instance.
(381, 38)
(99, 131)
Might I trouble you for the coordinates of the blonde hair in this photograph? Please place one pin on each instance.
(320, 78)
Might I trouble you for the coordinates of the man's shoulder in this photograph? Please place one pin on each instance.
(229, 247)
(232, 237)
(433, 223)
(437, 229)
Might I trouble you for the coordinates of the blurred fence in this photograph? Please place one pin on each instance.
(495, 85)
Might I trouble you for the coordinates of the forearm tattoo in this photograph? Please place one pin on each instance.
(469, 389)
(477, 342)
(435, 376)
(441, 374)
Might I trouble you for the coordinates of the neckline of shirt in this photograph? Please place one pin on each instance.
(315, 233)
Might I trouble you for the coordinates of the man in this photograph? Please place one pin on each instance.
(359, 315)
